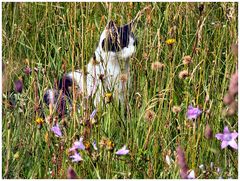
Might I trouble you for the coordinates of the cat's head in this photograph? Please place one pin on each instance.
(115, 38)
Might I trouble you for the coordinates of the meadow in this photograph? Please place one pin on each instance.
(185, 57)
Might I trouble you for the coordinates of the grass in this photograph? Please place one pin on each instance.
(59, 37)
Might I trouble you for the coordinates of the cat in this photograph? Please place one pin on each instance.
(116, 46)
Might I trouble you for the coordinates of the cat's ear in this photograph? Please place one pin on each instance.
(111, 26)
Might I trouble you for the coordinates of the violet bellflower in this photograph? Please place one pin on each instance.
(227, 138)
(122, 151)
(57, 131)
(78, 145)
(193, 113)
(76, 157)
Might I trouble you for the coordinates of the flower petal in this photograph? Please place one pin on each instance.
(191, 175)
(224, 144)
(233, 144)
(219, 136)
(122, 151)
(226, 130)
(234, 135)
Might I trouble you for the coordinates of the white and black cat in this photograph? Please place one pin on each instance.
(115, 47)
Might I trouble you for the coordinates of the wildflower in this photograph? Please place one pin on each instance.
(109, 145)
(71, 174)
(18, 86)
(122, 151)
(191, 175)
(78, 145)
(176, 109)
(92, 119)
(170, 41)
(56, 130)
(182, 163)
(76, 157)
(94, 144)
(149, 115)
(193, 113)
(108, 97)
(227, 138)
(87, 145)
(157, 66)
(27, 70)
(183, 74)
(39, 121)
(93, 114)
(208, 132)
(187, 60)
(123, 78)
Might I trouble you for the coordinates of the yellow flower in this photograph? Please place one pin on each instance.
(87, 145)
(16, 155)
(110, 145)
(108, 97)
(170, 41)
(39, 121)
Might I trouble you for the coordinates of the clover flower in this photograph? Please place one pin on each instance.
(71, 174)
(76, 157)
(187, 60)
(122, 151)
(57, 131)
(227, 138)
(193, 113)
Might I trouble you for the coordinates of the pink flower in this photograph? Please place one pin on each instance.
(193, 113)
(227, 138)
(56, 130)
(122, 151)
(76, 157)
(78, 145)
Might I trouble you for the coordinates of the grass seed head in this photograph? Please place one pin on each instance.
(157, 66)
(183, 74)
(123, 78)
(149, 115)
(187, 60)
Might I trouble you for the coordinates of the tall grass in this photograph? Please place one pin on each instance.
(52, 38)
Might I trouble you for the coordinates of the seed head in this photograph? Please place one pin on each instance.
(149, 115)
(157, 66)
(176, 109)
(187, 60)
(208, 132)
(183, 74)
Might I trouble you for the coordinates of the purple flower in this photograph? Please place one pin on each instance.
(193, 113)
(93, 114)
(56, 130)
(76, 157)
(18, 85)
(122, 151)
(27, 70)
(191, 175)
(78, 145)
(71, 174)
(227, 138)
